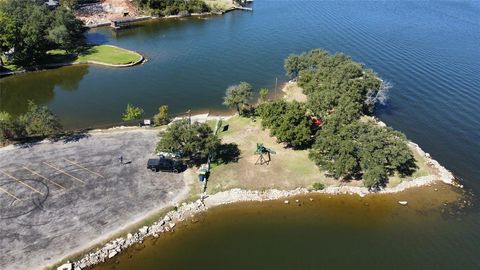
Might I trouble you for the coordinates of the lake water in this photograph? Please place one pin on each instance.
(429, 50)
(330, 232)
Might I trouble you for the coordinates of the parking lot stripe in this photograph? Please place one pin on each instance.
(21, 182)
(39, 175)
(64, 172)
(13, 196)
(78, 165)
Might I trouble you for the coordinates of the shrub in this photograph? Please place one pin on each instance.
(132, 113)
(161, 118)
(318, 186)
(39, 121)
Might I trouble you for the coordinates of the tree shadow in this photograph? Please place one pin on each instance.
(27, 142)
(248, 111)
(228, 153)
(71, 136)
(87, 49)
(66, 137)
(408, 168)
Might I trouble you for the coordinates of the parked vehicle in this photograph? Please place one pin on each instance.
(164, 165)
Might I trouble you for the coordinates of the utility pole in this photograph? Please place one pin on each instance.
(276, 82)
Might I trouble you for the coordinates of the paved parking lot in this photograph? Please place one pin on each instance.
(59, 197)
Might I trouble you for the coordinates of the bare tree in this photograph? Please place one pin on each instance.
(373, 97)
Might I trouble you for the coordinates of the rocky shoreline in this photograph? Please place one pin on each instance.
(188, 210)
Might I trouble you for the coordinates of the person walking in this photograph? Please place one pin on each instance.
(121, 160)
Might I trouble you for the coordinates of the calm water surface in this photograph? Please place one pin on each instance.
(429, 50)
(342, 232)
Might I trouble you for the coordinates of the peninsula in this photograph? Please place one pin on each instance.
(320, 138)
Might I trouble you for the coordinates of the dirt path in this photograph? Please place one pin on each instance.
(293, 92)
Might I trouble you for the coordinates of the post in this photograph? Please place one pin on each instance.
(276, 82)
(209, 160)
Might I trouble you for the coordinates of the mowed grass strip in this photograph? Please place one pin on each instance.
(288, 169)
(98, 54)
(109, 54)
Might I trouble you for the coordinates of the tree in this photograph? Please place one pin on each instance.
(29, 29)
(132, 113)
(66, 31)
(70, 4)
(378, 97)
(305, 61)
(262, 95)
(287, 122)
(172, 7)
(26, 23)
(161, 118)
(237, 96)
(362, 150)
(31, 45)
(195, 140)
(7, 127)
(39, 121)
(338, 89)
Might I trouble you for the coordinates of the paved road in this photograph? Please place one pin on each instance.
(58, 197)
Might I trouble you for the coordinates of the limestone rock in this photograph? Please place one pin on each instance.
(66, 266)
(112, 254)
(143, 230)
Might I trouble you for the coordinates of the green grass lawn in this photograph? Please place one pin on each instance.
(110, 55)
(101, 54)
(288, 169)
(107, 54)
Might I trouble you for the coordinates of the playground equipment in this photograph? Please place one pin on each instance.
(264, 154)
